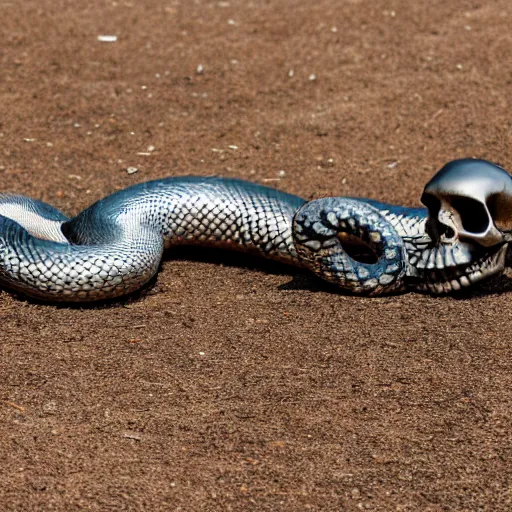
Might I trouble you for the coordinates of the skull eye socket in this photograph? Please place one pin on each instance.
(500, 209)
(473, 214)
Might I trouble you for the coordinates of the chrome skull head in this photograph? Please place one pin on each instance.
(470, 201)
(466, 233)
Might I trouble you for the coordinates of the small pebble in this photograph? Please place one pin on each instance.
(234, 148)
(132, 170)
(291, 73)
(200, 69)
(312, 77)
(107, 38)
(356, 493)
(132, 435)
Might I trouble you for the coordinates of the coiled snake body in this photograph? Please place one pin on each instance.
(115, 246)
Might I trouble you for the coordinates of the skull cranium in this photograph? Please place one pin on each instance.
(469, 200)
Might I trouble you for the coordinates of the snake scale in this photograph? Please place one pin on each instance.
(115, 246)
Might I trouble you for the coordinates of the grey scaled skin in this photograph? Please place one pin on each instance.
(115, 246)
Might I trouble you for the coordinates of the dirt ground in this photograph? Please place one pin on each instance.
(233, 383)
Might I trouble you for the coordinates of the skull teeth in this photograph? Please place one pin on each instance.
(437, 258)
(455, 284)
(445, 280)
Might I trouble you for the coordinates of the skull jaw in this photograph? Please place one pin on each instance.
(443, 268)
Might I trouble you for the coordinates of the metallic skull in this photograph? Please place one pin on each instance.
(466, 234)
(469, 200)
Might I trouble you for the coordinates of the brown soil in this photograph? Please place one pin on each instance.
(231, 383)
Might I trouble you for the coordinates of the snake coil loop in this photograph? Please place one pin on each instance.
(320, 231)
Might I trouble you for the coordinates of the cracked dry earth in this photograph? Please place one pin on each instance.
(231, 383)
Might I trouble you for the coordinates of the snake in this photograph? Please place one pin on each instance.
(115, 246)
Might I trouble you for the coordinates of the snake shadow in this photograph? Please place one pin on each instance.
(304, 280)
(497, 285)
(300, 279)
